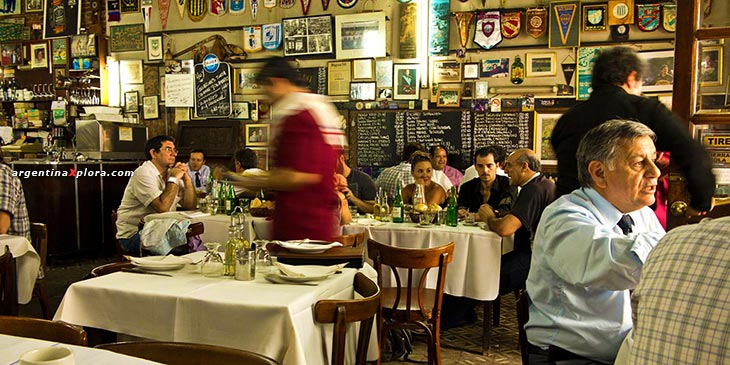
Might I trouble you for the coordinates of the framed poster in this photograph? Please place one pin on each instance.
(151, 107)
(594, 17)
(471, 71)
(544, 149)
(61, 18)
(154, 48)
(660, 71)
(39, 55)
(362, 91)
(83, 45)
(384, 73)
(125, 38)
(263, 155)
(240, 110)
(257, 135)
(12, 54)
(244, 81)
(446, 71)
(584, 70)
(59, 51)
(131, 71)
(360, 35)
(338, 77)
(481, 89)
(495, 67)
(131, 101)
(362, 69)
(541, 64)
(406, 80)
(711, 65)
(32, 5)
(307, 35)
(449, 97)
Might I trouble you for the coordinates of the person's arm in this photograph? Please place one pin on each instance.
(164, 202)
(505, 226)
(437, 195)
(279, 179)
(345, 216)
(365, 206)
(5, 218)
(189, 200)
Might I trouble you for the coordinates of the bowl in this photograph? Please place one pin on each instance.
(55, 355)
(261, 212)
(428, 216)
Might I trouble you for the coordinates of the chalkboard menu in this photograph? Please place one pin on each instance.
(213, 91)
(381, 135)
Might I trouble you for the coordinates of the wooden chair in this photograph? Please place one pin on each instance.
(43, 329)
(342, 312)
(39, 240)
(181, 353)
(120, 252)
(8, 284)
(353, 240)
(523, 314)
(409, 304)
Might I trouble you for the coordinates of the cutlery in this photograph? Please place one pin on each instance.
(139, 271)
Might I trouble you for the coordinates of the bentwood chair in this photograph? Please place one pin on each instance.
(181, 353)
(342, 312)
(39, 240)
(523, 314)
(8, 284)
(409, 304)
(351, 240)
(43, 329)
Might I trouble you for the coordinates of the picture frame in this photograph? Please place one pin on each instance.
(362, 91)
(244, 81)
(385, 93)
(495, 67)
(470, 71)
(594, 17)
(257, 134)
(657, 78)
(448, 71)
(384, 73)
(363, 69)
(544, 131)
(39, 55)
(305, 36)
(467, 90)
(241, 110)
(131, 101)
(406, 80)
(12, 54)
(449, 97)
(263, 157)
(481, 89)
(60, 26)
(360, 35)
(33, 5)
(130, 6)
(59, 51)
(151, 107)
(711, 65)
(541, 64)
(9, 9)
(338, 77)
(131, 71)
(125, 38)
(565, 24)
(83, 45)
(155, 48)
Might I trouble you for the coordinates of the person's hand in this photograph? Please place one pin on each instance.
(461, 212)
(486, 213)
(346, 192)
(178, 170)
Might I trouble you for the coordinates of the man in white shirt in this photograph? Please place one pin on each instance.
(155, 187)
(198, 170)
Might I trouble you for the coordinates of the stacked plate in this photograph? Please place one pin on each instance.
(304, 273)
(308, 246)
(160, 263)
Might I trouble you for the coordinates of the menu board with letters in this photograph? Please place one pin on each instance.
(213, 91)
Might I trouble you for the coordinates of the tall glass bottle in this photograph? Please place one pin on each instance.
(229, 262)
(451, 209)
(397, 205)
(376, 206)
(232, 200)
(419, 198)
(517, 72)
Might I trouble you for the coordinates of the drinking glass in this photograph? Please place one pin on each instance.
(213, 204)
(213, 262)
(263, 258)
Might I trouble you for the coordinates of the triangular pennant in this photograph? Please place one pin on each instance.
(181, 7)
(564, 15)
(568, 71)
(487, 33)
(463, 23)
(146, 13)
(254, 8)
(325, 4)
(163, 6)
(305, 6)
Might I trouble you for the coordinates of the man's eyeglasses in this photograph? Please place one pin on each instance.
(170, 149)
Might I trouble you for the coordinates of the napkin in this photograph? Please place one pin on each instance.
(368, 222)
(160, 260)
(305, 271)
(304, 245)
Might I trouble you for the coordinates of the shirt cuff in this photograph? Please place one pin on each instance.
(643, 246)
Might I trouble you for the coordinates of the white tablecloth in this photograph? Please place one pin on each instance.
(216, 226)
(270, 319)
(12, 347)
(27, 263)
(474, 271)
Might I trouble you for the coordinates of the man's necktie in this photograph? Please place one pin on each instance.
(197, 180)
(626, 223)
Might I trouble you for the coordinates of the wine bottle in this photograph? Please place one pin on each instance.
(376, 206)
(451, 209)
(229, 262)
(397, 205)
(517, 72)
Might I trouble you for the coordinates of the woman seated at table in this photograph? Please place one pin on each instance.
(422, 170)
(343, 211)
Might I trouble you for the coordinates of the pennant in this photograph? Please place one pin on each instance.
(113, 10)
(669, 16)
(252, 39)
(305, 6)
(237, 6)
(269, 4)
(463, 23)
(218, 7)
(620, 12)
(647, 17)
(197, 9)
(254, 8)
(564, 15)
(346, 4)
(163, 6)
(272, 36)
(325, 4)
(536, 22)
(594, 17)
(181, 7)
(511, 24)
(568, 71)
(146, 14)
(487, 33)
(286, 4)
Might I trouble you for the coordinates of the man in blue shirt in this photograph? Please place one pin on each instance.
(590, 246)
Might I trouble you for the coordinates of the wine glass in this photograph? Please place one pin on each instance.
(263, 257)
(213, 262)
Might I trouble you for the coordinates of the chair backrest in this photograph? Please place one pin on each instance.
(354, 240)
(8, 284)
(523, 314)
(39, 240)
(109, 268)
(412, 259)
(342, 312)
(120, 252)
(43, 329)
(181, 353)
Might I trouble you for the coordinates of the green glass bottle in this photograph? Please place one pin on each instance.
(232, 200)
(517, 72)
(451, 209)
(225, 199)
(397, 211)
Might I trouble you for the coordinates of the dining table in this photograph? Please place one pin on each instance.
(12, 347)
(216, 225)
(474, 271)
(275, 320)
(27, 264)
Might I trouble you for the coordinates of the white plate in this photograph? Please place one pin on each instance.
(158, 267)
(302, 278)
(307, 246)
(419, 225)
(470, 224)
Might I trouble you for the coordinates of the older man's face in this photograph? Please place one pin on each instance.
(632, 180)
(439, 159)
(196, 161)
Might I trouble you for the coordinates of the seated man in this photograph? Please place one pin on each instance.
(155, 187)
(440, 160)
(488, 187)
(245, 162)
(388, 179)
(360, 188)
(500, 154)
(198, 170)
(590, 246)
(13, 212)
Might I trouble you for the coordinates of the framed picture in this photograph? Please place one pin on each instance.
(60, 18)
(385, 93)
(307, 35)
(131, 72)
(10, 7)
(151, 107)
(129, 37)
(131, 101)
(130, 6)
(406, 80)
(338, 77)
(449, 97)
(446, 71)
(59, 51)
(467, 90)
(471, 71)
(362, 69)
(245, 81)
(481, 90)
(12, 54)
(257, 134)
(384, 73)
(594, 17)
(660, 70)
(495, 67)
(83, 45)
(240, 110)
(39, 55)
(541, 64)
(263, 155)
(711, 66)
(154, 48)
(33, 5)
(360, 35)
(362, 91)
(564, 26)
(544, 149)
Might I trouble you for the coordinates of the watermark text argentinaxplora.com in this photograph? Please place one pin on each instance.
(72, 172)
